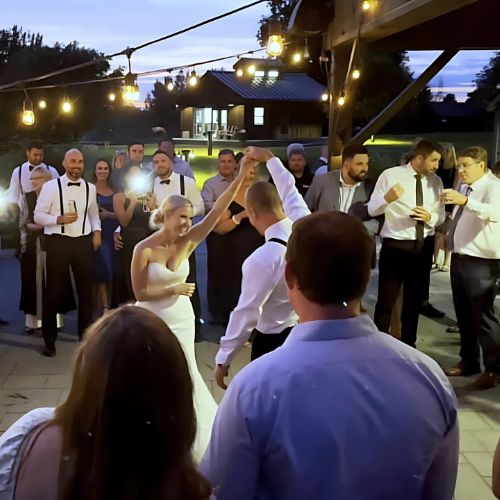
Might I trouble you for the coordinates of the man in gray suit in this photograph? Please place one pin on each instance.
(346, 190)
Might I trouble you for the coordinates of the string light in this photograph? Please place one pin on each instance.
(275, 44)
(356, 74)
(42, 104)
(169, 83)
(193, 79)
(341, 99)
(297, 57)
(112, 97)
(306, 54)
(366, 5)
(28, 116)
(130, 88)
(324, 97)
(239, 73)
(66, 106)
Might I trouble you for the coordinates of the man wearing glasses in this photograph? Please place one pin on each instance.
(474, 238)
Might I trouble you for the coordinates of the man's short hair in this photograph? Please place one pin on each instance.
(351, 150)
(425, 148)
(166, 139)
(293, 146)
(136, 143)
(262, 196)
(226, 152)
(476, 153)
(297, 151)
(34, 145)
(330, 254)
(161, 152)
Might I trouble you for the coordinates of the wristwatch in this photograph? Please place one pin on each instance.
(235, 220)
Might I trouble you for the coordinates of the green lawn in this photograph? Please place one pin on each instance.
(385, 151)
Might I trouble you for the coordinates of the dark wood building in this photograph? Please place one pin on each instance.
(255, 101)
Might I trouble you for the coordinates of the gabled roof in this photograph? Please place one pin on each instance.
(287, 87)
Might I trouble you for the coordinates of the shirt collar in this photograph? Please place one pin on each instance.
(279, 229)
(349, 186)
(223, 179)
(324, 330)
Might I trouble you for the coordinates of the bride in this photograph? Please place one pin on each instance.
(159, 270)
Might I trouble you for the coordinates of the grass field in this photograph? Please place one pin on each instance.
(385, 152)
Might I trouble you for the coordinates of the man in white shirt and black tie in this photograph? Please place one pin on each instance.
(263, 308)
(474, 238)
(409, 197)
(20, 182)
(167, 183)
(67, 208)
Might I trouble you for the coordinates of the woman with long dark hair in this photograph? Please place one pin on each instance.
(127, 428)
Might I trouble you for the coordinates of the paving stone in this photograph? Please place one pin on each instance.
(9, 419)
(469, 441)
(24, 381)
(472, 421)
(488, 439)
(481, 461)
(470, 485)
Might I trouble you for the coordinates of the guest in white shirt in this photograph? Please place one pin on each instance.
(320, 166)
(20, 182)
(474, 238)
(263, 309)
(67, 209)
(409, 198)
(340, 411)
(167, 183)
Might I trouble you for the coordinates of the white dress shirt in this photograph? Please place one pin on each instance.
(263, 301)
(212, 189)
(339, 411)
(163, 190)
(478, 230)
(346, 194)
(15, 189)
(48, 209)
(398, 224)
(180, 167)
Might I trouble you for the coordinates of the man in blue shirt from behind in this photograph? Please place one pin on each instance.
(341, 410)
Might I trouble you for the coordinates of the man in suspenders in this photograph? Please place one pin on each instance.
(263, 310)
(168, 183)
(67, 208)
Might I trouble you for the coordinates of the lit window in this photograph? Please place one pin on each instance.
(273, 73)
(259, 74)
(258, 116)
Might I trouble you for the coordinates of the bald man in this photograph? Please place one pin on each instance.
(67, 209)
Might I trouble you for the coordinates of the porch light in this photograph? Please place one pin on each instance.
(251, 69)
(239, 73)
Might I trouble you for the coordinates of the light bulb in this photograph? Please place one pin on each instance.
(193, 79)
(130, 89)
(356, 74)
(112, 97)
(239, 73)
(42, 103)
(275, 45)
(341, 100)
(251, 69)
(170, 86)
(297, 57)
(28, 117)
(324, 97)
(366, 5)
(66, 106)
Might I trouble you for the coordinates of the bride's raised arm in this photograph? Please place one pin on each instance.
(201, 230)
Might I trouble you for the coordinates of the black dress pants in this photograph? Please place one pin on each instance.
(263, 343)
(402, 262)
(195, 298)
(473, 283)
(63, 253)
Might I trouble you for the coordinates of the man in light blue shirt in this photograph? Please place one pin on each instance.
(340, 411)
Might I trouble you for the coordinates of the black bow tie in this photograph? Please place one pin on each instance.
(31, 167)
(73, 184)
(165, 182)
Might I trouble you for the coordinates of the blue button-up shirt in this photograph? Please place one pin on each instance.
(339, 412)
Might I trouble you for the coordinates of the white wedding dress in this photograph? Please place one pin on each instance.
(177, 313)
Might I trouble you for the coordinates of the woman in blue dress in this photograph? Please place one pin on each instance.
(104, 257)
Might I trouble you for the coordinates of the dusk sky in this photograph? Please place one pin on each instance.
(112, 25)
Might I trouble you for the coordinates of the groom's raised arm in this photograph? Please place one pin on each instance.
(293, 204)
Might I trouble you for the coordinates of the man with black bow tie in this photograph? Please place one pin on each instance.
(166, 184)
(67, 208)
(20, 182)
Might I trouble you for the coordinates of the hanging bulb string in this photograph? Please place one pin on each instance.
(129, 50)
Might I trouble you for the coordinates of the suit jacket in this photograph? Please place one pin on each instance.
(324, 196)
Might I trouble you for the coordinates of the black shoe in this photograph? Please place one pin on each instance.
(50, 352)
(430, 311)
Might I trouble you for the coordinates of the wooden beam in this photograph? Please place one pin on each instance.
(388, 17)
(404, 97)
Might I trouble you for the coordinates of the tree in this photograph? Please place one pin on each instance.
(24, 55)
(487, 82)
(450, 98)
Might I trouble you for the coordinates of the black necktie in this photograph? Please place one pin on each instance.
(165, 182)
(419, 195)
(73, 184)
(454, 222)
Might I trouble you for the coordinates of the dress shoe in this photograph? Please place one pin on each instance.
(430, 311)
(487, 380)
(50, 352)
(461, 370)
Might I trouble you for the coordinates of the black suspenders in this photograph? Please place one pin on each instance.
(183, 187)
(277, 240)
(61, 204)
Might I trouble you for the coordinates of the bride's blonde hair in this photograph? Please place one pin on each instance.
(169, 204)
